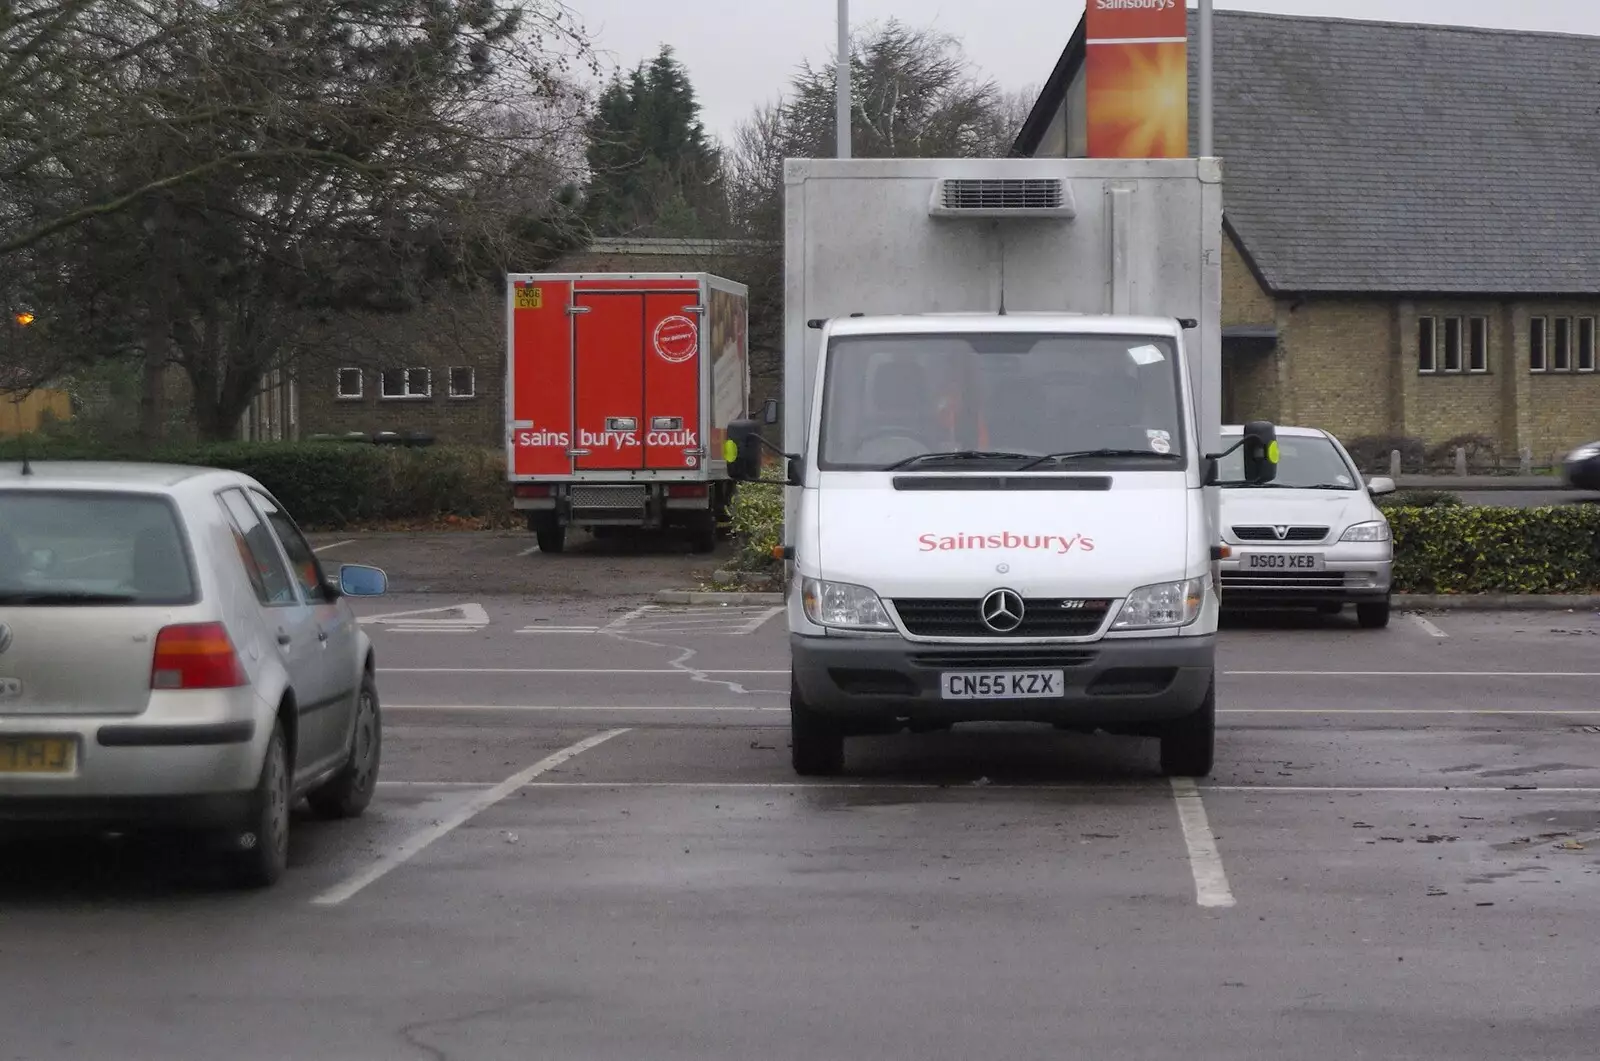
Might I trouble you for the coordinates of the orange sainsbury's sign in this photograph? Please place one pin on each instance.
(1137, 78)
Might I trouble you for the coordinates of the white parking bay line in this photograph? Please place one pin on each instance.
(333, 545)
(474, 806)
(1210, 879)
(1428, 628)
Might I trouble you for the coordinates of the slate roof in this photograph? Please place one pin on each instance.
(1396, 158)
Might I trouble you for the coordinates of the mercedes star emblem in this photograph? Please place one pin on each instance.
(1002, 611)
(5, 638)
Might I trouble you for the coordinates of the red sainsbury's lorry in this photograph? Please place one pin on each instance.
(619, 389)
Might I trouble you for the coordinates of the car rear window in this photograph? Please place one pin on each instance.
(70, 547)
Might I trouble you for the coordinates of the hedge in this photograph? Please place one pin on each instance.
(1496, 550)
(1444, 547)
(335, 485)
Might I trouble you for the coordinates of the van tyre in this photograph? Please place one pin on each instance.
(347, 794)
(816, 742)
(259, 849)
(1189, 745)
(1373, 615)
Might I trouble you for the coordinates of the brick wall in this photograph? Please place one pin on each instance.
(1243, 299)
(460, 341)
(1335, 362)
(1561, 409)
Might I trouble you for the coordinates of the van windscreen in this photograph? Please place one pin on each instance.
(891, 398)
(73, 547)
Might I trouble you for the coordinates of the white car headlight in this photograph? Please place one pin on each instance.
(839, 604)
(1583, 453)
(1166, 604)
(1374, 531)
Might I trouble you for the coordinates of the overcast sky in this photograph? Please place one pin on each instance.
(742, 52)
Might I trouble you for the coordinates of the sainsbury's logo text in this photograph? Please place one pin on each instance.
(1135, 5)
(1059, 544)
(537, 439)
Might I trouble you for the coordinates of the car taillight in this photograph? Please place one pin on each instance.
(530, 490)
(196, 656)
(692, 490)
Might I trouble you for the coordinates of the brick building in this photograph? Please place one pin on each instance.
(441, 370)
(1413, 223)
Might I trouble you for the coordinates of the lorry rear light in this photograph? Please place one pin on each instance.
(196, 656)
(690, 490)
(530, 490)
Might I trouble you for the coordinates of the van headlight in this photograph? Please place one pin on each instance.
(841, 605)
(1164, 604)
(1374, 531)
(1584, 452)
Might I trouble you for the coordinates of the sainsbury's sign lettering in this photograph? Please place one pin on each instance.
(1059, 544)
(537, 439)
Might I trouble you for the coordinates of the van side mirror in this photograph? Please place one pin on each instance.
(742, 451)
(769, 411)
(1260, 444)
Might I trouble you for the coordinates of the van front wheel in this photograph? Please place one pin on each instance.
(816, 742)
(1189, 745)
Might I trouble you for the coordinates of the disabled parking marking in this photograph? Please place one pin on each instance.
(452, 619)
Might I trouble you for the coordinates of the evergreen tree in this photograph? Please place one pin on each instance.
(652, 169)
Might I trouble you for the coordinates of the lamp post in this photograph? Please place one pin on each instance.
(842, 81)
(1205, 80)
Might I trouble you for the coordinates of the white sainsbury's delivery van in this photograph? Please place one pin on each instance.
(1003, 517)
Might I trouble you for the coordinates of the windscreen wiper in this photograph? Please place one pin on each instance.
(66, 597)
(1074, 454)
(960, 454)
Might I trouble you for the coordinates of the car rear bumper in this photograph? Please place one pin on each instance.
(186, 747)
(1111, 683)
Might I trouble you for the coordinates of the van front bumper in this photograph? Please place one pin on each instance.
(1113, 684)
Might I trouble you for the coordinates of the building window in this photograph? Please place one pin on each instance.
(1561, 349)
(350, 384)
(1478, 344)
(406, 382)
(1427, 345)
(1538, 345)
(463, 382)
(1586, 344)
(1453, 345)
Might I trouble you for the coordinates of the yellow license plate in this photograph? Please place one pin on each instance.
(37, 755)
(530, 298)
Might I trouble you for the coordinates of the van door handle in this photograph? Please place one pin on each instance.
(322, 635)
(284, 638)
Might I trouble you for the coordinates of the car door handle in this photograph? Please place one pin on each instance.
(322, 635)
(284, 638)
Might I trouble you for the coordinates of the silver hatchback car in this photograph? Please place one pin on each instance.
(173, 655)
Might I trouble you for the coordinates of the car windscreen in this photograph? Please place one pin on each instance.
(890, 398)
(102, 548)
(1305, 463)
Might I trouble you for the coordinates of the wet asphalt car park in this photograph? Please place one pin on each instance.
(589, 843)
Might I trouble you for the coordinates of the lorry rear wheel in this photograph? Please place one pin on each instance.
(552, 536)
(816, 742)
(703, 532)
(1189, 745)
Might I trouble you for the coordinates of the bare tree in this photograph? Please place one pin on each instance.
(914, 95)
(289, 159)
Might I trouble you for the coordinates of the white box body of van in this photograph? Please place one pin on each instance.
(1117, 251)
